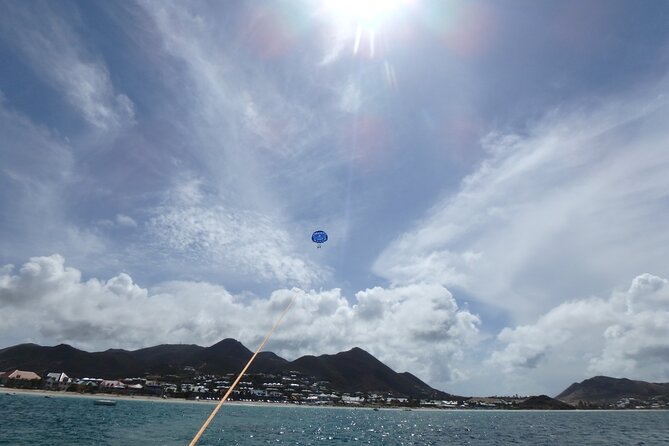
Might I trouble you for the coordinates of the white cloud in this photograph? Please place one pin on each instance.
(235, 110)
(351, 97)
(125, 220)
(252, 154)
(241, 242)
(624, 335)
(37, 172)
(260, 140)
(336, 41)
(254, 164)
(244, 241)
(567, 208)
(417, 328)
(35, 158)
(50, 44)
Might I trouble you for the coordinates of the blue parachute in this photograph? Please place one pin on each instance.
(319, 237)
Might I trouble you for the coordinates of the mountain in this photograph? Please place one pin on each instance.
(606, 390)
(358, 371)
(166, 354)
(227, 356)
(77, 362)
(543, 402)
(351, 371)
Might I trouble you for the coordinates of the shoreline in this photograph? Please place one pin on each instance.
(143, 398)
(155, 399)
(97, 396)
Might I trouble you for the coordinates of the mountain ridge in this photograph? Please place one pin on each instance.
(354, 370)
(608, 390)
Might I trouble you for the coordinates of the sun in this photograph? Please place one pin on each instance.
(366, 19)
(367, 14)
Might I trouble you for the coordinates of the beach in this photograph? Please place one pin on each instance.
(116, 397)
(154, 399)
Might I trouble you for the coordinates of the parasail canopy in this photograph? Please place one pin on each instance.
(319, 237)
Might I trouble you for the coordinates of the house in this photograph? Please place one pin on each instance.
(21, 378)
(135, 387)
(88, 384)
(156, 388)
(23, 375)
(56, 381)
(347, 399)
(258, 392)
(112, 385)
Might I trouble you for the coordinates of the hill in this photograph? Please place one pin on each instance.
(358, 371)
(351, 371)
(69, 359)
(606, 390)
(544, 402)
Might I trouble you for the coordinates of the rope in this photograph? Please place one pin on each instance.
(234, 384)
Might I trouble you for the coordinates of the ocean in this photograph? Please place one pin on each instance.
(35, 420)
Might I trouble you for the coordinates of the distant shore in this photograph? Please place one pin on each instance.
(95, 396)
(116, 397)
(155, 399)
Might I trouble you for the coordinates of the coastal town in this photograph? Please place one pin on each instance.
(288, 388)
(281, 388)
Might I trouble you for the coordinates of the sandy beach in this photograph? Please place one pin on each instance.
(116, 397)
(154, 399)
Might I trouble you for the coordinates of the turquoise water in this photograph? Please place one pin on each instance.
(35, 420)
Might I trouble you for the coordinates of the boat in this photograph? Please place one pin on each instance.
(104, 403)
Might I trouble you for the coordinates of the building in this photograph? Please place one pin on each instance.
(112, 385)
(56, 381)
(21, 378)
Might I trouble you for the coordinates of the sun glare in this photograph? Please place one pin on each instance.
(368, 14)
(366, 17)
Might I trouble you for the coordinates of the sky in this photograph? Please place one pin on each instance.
(493, 177)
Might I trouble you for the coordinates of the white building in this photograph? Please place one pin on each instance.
(56, 381)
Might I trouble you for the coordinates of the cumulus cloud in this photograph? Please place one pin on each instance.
(625, 334)
(417, 328)
(49, 43)
(566, 208)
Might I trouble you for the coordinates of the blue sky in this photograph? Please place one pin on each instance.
(492, 178)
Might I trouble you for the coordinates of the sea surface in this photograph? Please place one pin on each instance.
(35, 420)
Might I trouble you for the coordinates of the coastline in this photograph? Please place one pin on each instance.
(155, 399)
(116, 397)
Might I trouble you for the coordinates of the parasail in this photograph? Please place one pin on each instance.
(319, 237)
